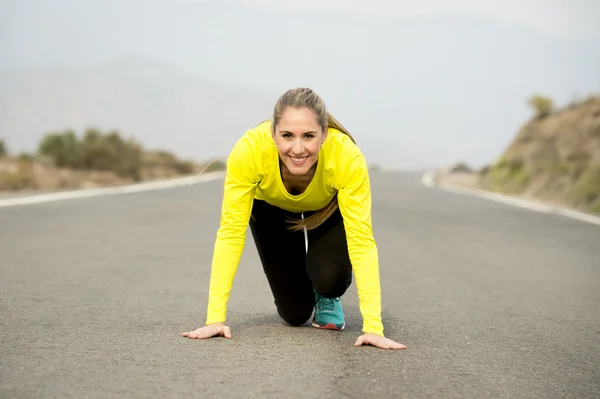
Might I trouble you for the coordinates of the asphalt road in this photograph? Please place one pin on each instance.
(491, 300)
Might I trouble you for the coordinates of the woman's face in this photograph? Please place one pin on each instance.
(298, 137)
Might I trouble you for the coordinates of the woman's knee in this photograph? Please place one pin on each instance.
(296, 317)
(332, 286)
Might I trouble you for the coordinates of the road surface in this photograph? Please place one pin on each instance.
(491, 300)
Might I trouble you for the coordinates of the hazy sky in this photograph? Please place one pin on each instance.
(566, 18)
(26, 23)
(411, 65)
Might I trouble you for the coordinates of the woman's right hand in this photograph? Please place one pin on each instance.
(209, 331)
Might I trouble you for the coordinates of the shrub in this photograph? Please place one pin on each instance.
(63, 148)
(95, 151)
(543, 106)
(184, 167)
(167, 161)
(461, 167)
(25, 156)
(111, 152)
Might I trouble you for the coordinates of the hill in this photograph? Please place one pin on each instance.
(554, 158)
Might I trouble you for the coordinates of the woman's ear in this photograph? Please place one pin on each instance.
(274, 138)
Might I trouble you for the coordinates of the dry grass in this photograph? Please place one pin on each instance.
(37, 175)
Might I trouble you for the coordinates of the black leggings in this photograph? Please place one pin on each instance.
(291, 271)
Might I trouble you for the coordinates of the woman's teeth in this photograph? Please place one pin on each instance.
(299, 160)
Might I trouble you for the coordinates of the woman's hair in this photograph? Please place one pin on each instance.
(303, 97)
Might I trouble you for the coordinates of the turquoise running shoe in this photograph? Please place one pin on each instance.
(329, 314)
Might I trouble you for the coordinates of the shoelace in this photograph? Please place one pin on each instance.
(326, 304)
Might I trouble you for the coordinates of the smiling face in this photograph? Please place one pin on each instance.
(298, 137)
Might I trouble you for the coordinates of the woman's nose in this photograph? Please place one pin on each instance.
(297, 148)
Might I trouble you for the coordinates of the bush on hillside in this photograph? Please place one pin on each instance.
(485, 169)
(110, 152)
(165, 159)
(94, 159)
(25, 156)
(461, 167)
(3, 149)
(543, 106)
(95, 151)
(64, 149)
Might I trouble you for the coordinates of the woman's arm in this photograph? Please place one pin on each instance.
(240, 184)
(354, 198)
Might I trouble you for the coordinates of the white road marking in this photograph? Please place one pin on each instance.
(428, 179)
(94, 192)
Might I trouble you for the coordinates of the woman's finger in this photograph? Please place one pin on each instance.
(227, 332)
(396, 345)
(381, 343)
(191, 334)
(360, 341)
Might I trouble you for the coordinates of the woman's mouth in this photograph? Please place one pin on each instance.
(299, 160)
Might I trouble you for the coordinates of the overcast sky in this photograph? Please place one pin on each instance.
(24, 24)
(216, 40)
(566, 18)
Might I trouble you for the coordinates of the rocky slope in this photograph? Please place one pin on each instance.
(554, 158)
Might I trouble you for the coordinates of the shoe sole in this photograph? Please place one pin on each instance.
(329, 326)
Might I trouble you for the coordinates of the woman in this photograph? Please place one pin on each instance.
(302, 184)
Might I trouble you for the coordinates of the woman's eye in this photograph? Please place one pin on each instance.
(289, 136)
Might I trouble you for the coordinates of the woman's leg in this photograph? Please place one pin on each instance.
(330, 270)
(283, 256)
(328, 262)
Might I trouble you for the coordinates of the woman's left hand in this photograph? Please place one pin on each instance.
(378, 341)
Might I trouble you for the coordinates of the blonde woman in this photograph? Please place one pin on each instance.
(302, 185)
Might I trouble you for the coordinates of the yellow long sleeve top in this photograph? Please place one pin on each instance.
(253, 173)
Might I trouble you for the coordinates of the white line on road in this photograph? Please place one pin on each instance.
(428, 179)
(94, 192)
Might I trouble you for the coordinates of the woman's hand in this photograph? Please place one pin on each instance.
(378, 341)
(209, 331)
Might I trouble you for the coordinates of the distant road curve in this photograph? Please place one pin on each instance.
(428, 180)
